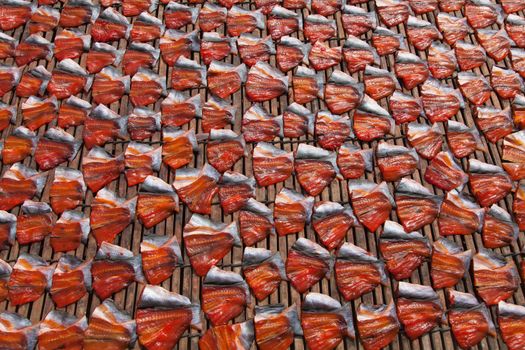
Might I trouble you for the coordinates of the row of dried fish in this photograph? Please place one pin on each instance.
(162, 317)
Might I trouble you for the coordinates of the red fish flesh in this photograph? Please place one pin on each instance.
(238, 336)
(224, 296)
(481, 14)
(276, 326)
(357, 21)
(265, 83)
(18, 184)
(77, 13)
(331, 130)
(211, 16)
(140, 161)
(207, 242)
(102, 55)
(440, 102)
(410, 69)
(495, 279)
(35, 222)
(197, 187)
(29, 279)
(395, 162)
(139, 55)
(496, 43)
(146, 28)
(298, 121)
(160, 256)
(403, 252)
(156, 202)
(307, 264)
(146, 88)
(7, 116)
(282, 22)
(499, 229)
(372, 203)
(224, 149)
(32, 49)
(379, 83)
(416, 206)
(253, 49)
(449, 263)
(319, 28)
(307, 85)
(358, 55)
(217, 114)
(225, 79)
(357, 272)
(113, 269)
(37, 112)
(325, 322)
(426, 140)
(469, 56)
(322, 56)
(489, 183)
(7, 239)
(518, 111)
(392, 12)
(44, 19)
(423, 6)
(19, 145)
(421, 33)
(110, 215)
(9, 78)
(451, 5)
(187, 74)
(177, 109)
(17, 331)
(454, 29)
(103, 125)
(100, 169)
(56, 147)
(442, 61)
(315, 168)
(459, 215)
(71, 280)
(378, 325)
(342, 93)
(109, 327)
(354, 161)
(405, 108)
(33, 82)
(60, 329)
(67, 79)
(331, 222)
(143, 123)
(290, 52)
(162, 317)
(177, 16)
(371, 121)
(135, 7)
(255, 222)
(258, 125)
(475, 88)
(387, 42)
(326, 7)
(241, 21)
(7, 46)
(419, 309)
(216, 47)
(515, 27)
(462, 140)
(109, 86)
(235, 190)
(71, 44)
(263, 271)
(110, 26)
(69, 231)
(511, 6)
(291, 211)
(15, 14)
(511, 324)
(507, 83)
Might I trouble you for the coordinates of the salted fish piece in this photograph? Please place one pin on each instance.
(282, 22)
(463, 140)
(71, 229)
(421, 33)
(315, 168)
(34, 223)
(405, 108)
(160, 256)
(73, 112)
(7, 230)
(197, 187)
(276, 326)
(371, 121)
(141, 160)
(445, 173)
(358, 54)
(416, 206)
(67, 190)
(489, 183)
(357, 21)
(103, 125)
(241, 21)
(100, 169)
(30, 278)
(71, 280)
(178, 147)
(387, 42)
(102, 55)
(374, 320)
(20, 183)
(331, 221)
(442, 61)
(342, 93)
(255, 222)
(292, 211)
(411, 69)
(56, 147)
(372, 203)
(459, 215)
(332, 130)
(225, 79)
(395, 162)
(187, 74)
(449, 263)
(263, 271)
(494, 123)
(258, 125)
(499, 229)
(511, 323)
(307, 84)
(290, 52)
(224, 149)
(60, 329)
(237, 336)
(264, 83)
(440, 102)
(109, 85)
(235, 189)
(156, 201)
(17, 331)
(353, 161)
